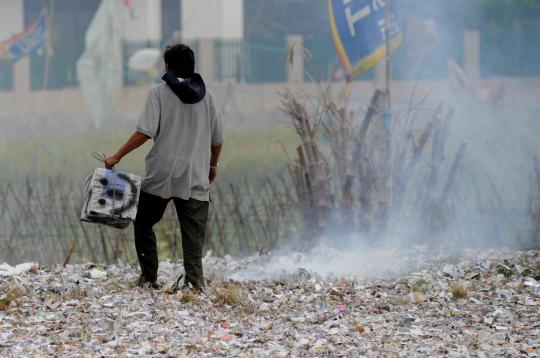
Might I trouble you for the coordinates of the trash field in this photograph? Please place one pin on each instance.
(480, 303)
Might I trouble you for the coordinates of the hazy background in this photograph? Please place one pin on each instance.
(47, 132)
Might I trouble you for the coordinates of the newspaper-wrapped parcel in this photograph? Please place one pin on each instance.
(111, 198)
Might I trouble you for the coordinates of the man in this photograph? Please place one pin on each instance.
(182, 119)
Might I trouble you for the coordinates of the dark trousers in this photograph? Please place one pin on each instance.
(192, 215)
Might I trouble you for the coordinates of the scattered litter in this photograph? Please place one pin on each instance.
(95, 273)
(99, 311)
(7, 270)
(531, 282)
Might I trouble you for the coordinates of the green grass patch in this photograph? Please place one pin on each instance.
(246, 153)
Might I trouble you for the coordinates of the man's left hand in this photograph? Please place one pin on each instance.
(212, 174)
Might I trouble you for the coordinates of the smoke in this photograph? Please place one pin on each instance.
(327, 262)
(496, 113)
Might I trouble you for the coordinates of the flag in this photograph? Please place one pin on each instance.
(24, 43)
(359, 31)
(100, 68)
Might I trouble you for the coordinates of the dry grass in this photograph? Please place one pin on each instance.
(11, 297)
(418, 297)
(187, 296)
(459, 291)
(420, 286)
(403, 301)
(227, 294)
(75, 294)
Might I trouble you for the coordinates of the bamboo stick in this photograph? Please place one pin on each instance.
(452, 173)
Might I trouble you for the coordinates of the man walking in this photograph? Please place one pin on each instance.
(182, 119)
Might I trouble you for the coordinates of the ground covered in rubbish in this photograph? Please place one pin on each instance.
(477, 303)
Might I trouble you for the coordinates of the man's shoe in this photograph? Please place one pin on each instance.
(194, 289)
(145, 283)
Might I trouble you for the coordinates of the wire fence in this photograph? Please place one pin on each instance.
(39, 221)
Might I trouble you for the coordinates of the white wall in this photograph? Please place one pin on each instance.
(11, 18)
(212, 19)
(144, 24)
(233, 21)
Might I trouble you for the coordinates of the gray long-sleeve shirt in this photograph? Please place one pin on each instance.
(179, 161)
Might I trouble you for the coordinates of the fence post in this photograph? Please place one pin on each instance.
(21, 75)
(295, 63)
(472, 53)
(206, 60)
(379, 75)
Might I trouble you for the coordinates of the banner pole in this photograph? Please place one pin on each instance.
(48, 45)
(387, 112)
(388, 60)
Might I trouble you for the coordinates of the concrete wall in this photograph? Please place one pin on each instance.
(144, 22)
(249, 97)
(11, 18)
(233, 19)
(212, 19)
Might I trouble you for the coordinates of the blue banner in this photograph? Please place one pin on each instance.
(359, 32)
(26, 42)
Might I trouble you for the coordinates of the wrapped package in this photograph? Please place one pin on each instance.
(111, 198)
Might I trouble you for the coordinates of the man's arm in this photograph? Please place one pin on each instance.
(134, 142)
(215, 151)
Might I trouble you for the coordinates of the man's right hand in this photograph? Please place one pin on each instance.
(135, 141)
(111, 161)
